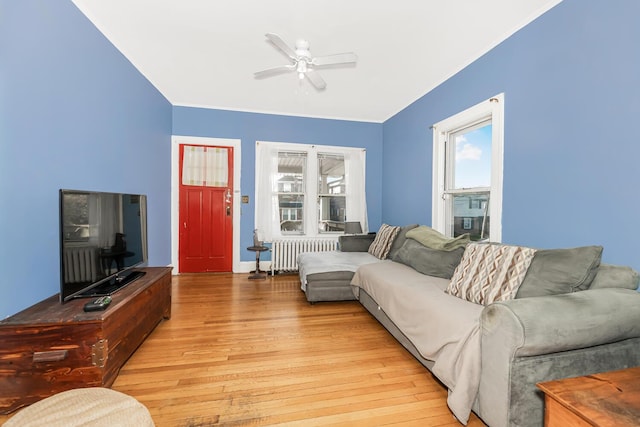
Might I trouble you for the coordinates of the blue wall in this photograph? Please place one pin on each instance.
(572, 96)
(74, 113)
(252, 127)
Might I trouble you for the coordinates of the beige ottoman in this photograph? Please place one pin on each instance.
(94, 406)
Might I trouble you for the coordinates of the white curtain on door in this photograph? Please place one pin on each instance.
(205, 166)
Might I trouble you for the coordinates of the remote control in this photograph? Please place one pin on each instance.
(100, 303)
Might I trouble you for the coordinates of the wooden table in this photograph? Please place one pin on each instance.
(606, 399)
(52, 347)
(257, 274)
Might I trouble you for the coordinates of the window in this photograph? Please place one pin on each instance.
(467, 172)
(290, 182)
(306, 190)
(91, 219)
(76, 219)
(332, 204)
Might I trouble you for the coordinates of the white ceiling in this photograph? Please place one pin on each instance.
(203, 53)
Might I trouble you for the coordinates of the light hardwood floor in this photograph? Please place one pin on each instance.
(249, 353)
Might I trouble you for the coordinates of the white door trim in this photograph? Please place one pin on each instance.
(176, 140)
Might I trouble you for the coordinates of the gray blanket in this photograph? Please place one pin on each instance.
(444, 328)
(325, 262)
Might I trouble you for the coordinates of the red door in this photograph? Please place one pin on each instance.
(206, 222)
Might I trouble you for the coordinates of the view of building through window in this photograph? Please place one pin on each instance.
(291, 177)
(309, 190)
(291, 191)
(471, 163)
(331, 192)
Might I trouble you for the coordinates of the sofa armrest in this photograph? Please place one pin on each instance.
(356, 242)
(528, 340)
(549, 324)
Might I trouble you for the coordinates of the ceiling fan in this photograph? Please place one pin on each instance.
(303, 63)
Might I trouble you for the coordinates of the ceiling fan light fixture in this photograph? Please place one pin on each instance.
(301, 68)
(303, 63)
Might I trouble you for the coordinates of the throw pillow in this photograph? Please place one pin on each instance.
(490, 272)
(384, 239)
(399, 240)
(615, 276)
(431, 262)
(436, 240)
(561, 271)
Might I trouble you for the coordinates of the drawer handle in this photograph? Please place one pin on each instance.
(49, 356)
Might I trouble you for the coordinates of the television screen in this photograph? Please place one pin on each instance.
(103, 237)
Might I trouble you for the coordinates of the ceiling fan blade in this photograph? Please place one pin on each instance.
(339, 58)
(315, 79)
(273, 71)
(280, 44)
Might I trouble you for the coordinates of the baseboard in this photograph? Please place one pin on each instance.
(243, 267)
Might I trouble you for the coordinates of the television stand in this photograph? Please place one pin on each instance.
(112, 286)
(52, 347)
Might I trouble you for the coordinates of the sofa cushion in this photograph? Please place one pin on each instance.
(384, 239)
(355, 242)
(432, 262)
(330, 261)
(560, 271)
(490, 272)
(331, 276)
(400, 239)
(329, 286)
(436, 240)
(615, 276)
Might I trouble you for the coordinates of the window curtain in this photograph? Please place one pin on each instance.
(104, 222)
(205, 166)
(267, 218)
(356, 197)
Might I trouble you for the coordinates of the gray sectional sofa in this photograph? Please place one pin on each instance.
(570, 316)
(326, 276)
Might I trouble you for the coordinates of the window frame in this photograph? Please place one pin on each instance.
(491, 110)
(311, 212)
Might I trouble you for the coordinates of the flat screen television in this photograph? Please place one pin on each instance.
(103, 239)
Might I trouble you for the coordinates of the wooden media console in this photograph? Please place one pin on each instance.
(52, 347)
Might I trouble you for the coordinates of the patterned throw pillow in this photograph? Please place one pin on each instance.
(489, 273)
(384, 239)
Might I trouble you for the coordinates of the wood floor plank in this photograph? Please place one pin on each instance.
(251, 353)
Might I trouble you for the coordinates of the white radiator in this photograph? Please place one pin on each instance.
(285, 252)
(80, 264)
